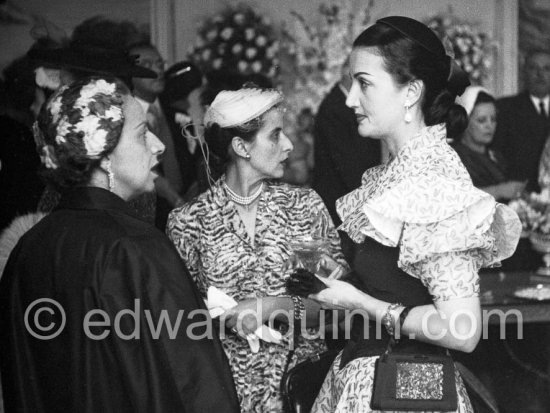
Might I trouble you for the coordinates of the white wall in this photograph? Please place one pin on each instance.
(175, 22)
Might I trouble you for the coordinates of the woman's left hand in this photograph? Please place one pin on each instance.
(339, 295)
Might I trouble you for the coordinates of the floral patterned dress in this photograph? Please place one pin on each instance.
(421, 204)
(213, 241)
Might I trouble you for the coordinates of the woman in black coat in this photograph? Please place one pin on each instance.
(97, 310)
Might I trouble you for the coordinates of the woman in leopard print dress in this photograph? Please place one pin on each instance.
(236, 236)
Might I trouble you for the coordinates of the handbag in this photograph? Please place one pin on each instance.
(301, 384)
(414, 380)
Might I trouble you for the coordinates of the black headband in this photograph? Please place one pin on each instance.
(457, 79)
(415, 31)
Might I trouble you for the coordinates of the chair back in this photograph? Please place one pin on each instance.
(480, 397)
(301, 384)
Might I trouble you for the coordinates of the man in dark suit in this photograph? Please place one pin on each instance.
(182, 103)
(523, 122)
(178, 167)
(341, 154)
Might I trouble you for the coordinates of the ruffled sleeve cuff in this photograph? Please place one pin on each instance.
(424, 202)
(427, 217)
(486, 232)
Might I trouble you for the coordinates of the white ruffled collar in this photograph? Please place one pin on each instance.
(424, 183)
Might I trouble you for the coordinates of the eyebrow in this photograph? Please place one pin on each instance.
(361, 73)
(276, 130)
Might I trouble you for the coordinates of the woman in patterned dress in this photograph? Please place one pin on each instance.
(423, 229)
(236, 236)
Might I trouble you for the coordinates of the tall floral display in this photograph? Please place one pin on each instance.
(304, 64)
(313, 50)
(471, 47)
(237, 40)
(312, 53)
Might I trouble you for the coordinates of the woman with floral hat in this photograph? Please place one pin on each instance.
(108, 277)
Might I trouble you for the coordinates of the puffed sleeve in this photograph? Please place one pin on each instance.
(183, 228)
(424, 202)
(448, 254)
(450, 275)
(446, 230)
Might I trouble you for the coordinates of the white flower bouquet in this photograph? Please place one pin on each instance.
(471, 47)
(534, 213)
(313, 51)
(237, 40)
(533, 210)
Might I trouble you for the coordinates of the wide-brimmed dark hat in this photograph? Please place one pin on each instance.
(90, 59)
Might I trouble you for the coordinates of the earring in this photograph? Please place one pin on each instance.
(408, 116)
(247, 156)
(110, 175)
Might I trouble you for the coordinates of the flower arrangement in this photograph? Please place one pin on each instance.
(313, 53)
(533, 210)
(236, 40)
(471, 47)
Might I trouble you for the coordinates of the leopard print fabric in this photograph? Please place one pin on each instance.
(213, 241)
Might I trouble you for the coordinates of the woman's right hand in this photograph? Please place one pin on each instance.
(330, 268)
(510, 189)
(245, 317)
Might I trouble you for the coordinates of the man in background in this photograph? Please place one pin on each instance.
(341, 156)
(523, 121)
(178, 171)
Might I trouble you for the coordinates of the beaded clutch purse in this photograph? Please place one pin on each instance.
(414, 382)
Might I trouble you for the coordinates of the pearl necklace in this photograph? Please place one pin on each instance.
(243, 200)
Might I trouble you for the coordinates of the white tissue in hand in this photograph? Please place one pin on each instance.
(219, 302)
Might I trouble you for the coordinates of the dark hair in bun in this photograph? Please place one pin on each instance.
(411, 50)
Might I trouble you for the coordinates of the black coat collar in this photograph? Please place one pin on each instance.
(93, 198)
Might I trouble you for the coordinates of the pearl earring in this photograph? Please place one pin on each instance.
(408, 116)
(110, 175)
(247, 156)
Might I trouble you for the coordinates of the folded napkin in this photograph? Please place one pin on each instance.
(219, 302)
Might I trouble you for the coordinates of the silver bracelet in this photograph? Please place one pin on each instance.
(388, 320)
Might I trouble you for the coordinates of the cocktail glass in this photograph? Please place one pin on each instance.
(307, 253)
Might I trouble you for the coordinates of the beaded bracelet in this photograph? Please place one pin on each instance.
(387, 318)
(299, 307)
